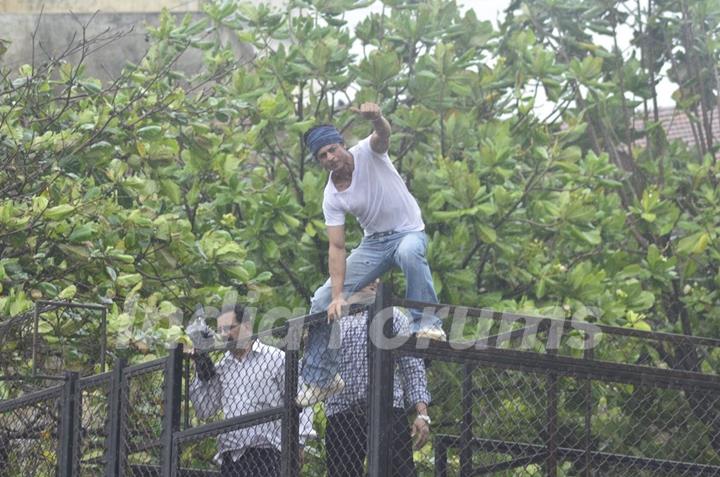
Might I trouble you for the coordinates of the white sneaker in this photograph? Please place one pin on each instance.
(309, 394)
(436, 334)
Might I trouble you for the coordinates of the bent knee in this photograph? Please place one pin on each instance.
(411, 250)
(321, 298)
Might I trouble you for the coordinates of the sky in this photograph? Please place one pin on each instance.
(493, 11)
(487, 9)
(484, 9)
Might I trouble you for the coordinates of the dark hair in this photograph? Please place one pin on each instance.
(307, 133)
(238, 310)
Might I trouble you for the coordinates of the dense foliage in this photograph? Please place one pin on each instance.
(167, 189)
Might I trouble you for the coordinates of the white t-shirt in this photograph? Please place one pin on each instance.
(377, 196)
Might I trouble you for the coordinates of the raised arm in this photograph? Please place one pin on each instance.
(380, 139)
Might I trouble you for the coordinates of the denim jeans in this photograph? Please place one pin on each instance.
(370, 260)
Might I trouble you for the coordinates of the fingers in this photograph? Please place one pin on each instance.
(335, 311)
(420, 433)
(367, 110)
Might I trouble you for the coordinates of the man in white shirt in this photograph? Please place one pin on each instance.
(250, 377)
(365, 183)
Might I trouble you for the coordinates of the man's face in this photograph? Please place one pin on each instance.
(233, 332)
(334, 157)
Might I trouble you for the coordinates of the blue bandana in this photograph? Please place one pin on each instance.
(322, 136)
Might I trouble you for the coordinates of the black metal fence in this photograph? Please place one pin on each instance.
(512, 395)
(38, 346)
(540, 396)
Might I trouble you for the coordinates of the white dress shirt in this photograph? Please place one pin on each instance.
(242, 386)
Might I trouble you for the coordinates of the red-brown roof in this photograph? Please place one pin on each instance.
(677, 125)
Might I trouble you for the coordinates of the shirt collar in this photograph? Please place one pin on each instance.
(257, 348)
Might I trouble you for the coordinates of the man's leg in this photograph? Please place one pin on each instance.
(227, 469)
(410, 257)
(401, 460)
(366, 263)
(320, 359)
(264, 462)
(255, 462)
(345, 444)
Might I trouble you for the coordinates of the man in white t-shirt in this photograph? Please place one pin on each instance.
(364, 183)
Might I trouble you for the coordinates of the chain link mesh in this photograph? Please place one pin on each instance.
(92, 411)
(517, 406)
(510, 419)
(16, 356)
(142, 415)
(34, 356)
(29, 434)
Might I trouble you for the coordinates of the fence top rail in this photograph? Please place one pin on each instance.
(313, 318)
(28, 399)
(95, 380)
(227, 425)
(146, 367)
(534, 362)
(32, 377)
(538, 320)
(28, 316)
(70, 304)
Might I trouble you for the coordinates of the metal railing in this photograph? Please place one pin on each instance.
(530, 404)
(516, 395)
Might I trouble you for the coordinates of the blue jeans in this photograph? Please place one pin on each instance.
(370, 260)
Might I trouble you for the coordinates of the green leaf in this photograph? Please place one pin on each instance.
(150, 132)
(67, 293)
(171, 190)
(82, 233)
(487, 233)
(59, 212)
(694, 244)
(290, 220)
(126, 280)
(280, 228)
(263, 277)
(237, 271)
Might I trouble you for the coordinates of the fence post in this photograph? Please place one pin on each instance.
(380, 384)
(68, 428)
(552, 347)
(103, 342)
(112, 465)
(588, 355)
(466, 435)
(35, 338)
(290, 465)
(172, 403)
